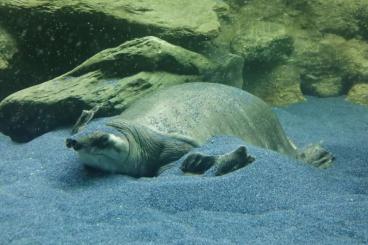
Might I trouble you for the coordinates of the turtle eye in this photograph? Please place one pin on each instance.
(101, 141)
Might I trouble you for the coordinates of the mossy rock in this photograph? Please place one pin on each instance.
(8, 48)
(359, 94)
(31, 112)
(263, 44)
(55, 36)
(8, 62)
(356, 55)
(278, 87)
(330, 66)
(322, 72)
(164, 18)
(325, 87)
(345, 18)
(236, 3)
(112, 79)
(145, 54)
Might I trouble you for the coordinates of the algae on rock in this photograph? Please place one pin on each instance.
(330, 66)
(8, 60)
(8, 48)
(263, 44)
(266, 48)
(278, 86)
(272, 33)
(341, 17)
(318, 45)
(145, 54)
(359, 94)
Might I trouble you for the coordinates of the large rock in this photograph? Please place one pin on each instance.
(266, 48)
(331, 65)
(324, 40)
(112, 79)
(359, 94)
(261, 33)
(362, 19)
(8, 52)
(8, 48)
(33, 111)
(321, 67)
(172, 19)
(55, 36)
(263, 44)
(277, 86)
(345, 18)
(356, 55)
(235, 3)
(145, 54)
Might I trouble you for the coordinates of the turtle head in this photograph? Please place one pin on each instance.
(101, 150)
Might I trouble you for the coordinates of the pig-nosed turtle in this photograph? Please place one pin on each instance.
(165, 125)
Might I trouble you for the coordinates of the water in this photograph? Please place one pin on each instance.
(306, 59)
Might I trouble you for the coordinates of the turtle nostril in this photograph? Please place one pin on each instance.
(70, 142)
(77, 146)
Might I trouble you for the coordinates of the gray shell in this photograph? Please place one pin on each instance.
(203, 110)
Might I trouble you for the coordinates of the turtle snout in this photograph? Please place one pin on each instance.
(72, 143)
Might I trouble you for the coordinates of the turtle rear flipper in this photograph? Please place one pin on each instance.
(232, 161)
(316, 155)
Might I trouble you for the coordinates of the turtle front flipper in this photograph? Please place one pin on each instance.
(216, 165)
(316, 155)
(198, 163)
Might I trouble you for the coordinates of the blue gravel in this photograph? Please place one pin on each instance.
(47, 197)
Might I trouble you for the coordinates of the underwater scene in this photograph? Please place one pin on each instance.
(183, 122)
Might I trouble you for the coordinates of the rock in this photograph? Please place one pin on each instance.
(263, 44)
(57, 35)
(236, 3)
(278, 86)
(266, 48)
(113, 79)
(356, 55)
(154, 54)
(229, 69)
(325, 87)
(322, 39)
(345, 18)
(8, 52)
(36, 110)
(361, 16)
(359, 94)
(145, 54)
(331, 65)
(162, 18)
(321, 67)
(8, 48)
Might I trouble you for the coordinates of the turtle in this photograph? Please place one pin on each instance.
(167, 124)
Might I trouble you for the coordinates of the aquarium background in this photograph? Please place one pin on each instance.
(307, 59)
